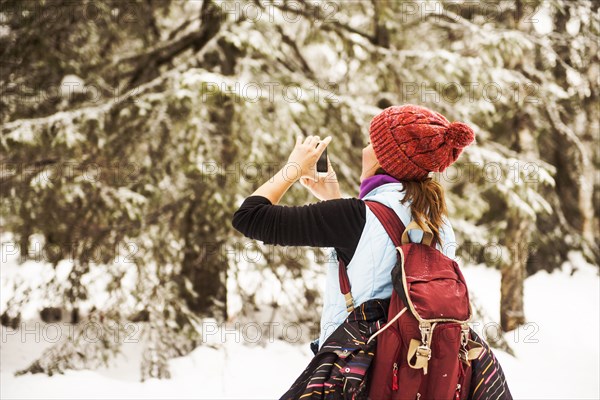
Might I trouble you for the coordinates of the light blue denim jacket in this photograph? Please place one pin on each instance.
(370, 269)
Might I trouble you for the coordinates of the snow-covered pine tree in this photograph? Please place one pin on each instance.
(187, 106)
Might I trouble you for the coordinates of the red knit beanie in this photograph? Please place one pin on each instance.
(410, 141)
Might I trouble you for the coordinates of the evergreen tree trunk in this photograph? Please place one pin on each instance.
(513, 272)
(517, 237)
(203, 266)
(575, 172)
(204, 263)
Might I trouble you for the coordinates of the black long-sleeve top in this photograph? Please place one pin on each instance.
(331, 223)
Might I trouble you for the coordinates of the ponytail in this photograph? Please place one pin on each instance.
(427, 203)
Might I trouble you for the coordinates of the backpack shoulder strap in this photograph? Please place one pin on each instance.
(392, 223)
(389, 219)
(394, 228)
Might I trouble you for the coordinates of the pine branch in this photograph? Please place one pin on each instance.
(29, 169)
(313, 13)
(560, 127)
(148, 63)
(292, 43)
(78, 350)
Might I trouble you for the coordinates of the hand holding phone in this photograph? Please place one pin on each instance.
(324, 185)
(322, 162)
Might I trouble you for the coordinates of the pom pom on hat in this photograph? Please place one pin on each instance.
(459, 135)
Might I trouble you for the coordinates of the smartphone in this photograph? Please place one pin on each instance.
(322, 162)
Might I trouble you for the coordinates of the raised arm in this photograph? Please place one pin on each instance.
(330, 223)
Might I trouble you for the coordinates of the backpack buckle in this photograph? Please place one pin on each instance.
(418, 355)
(425, 328)
(421, 352)
(463, 355)
(464, 335)
(349, 302)
(424, 351)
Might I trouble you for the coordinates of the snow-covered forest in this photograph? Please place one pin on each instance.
(132, 131)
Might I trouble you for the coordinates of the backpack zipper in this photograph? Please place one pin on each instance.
(395, 385)
(457, 394)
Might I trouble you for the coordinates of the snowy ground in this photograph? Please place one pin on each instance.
(557, 352)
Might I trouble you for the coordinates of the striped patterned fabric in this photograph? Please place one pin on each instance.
(339, 370)
(487, 379)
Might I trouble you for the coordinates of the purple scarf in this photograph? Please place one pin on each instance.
(374, 181)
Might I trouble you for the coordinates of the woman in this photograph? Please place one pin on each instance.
(407, 143)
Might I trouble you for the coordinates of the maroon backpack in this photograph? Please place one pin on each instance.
(424, 349)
